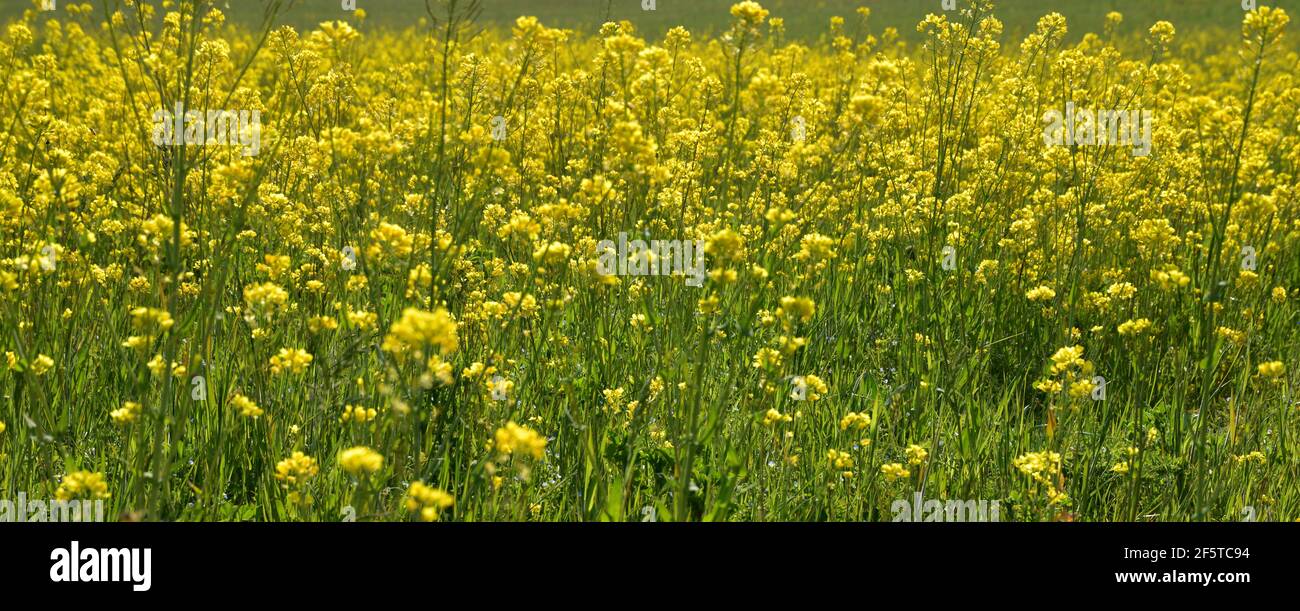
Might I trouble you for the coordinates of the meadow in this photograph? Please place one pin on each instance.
(440, 268)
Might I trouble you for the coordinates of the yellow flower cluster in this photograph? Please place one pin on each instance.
(82, 485)
(293, 360)
(427, 502)
(128, 413)
(361, 460)
(894, 471)
(515, 439)
(245, 407)
(1044, 468)
(296, 469)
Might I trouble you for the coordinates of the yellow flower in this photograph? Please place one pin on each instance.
(82, 485)
(264, 300)
(796, 308)
(42, 365)
(1255, 456)
(767, 358)
(245, 406)
(916, 454)
(1162, 33)
(317, 324)
(1041, 466)
(418, 328)
(1135, 327)
(893, 471)
(1272, 369)
(128, 413)
(359, 415)
(614, 398)
(360, 460)
(389, 241)
(749, 12)
(295, 360)
(855, 420)
(362, 320)
(296, 469)
(814, 387)
(839, 460)
(1041, 293)
(151, 321)
(553, 253)
(428, 502)
(773, 417)
(513, 438)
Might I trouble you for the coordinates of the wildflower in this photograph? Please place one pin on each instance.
(128, 413)
(1041, 293)
(359, 415)
(245, 406)
(767, 358)
(294, 360)
(816, 247)
(1255, 456)
(813, 387)
(855, 420)
(894, 471)
(418, 328)
(916, 454)
(264, 301)
(749, 12)
(614, 398)
(1135, 327)
(1272, 369)
(839, 460)
(82, 485)
(296, 469)
(512, 438)
(1170, 279)
(42, 365)
(553, 253)
(441, 370)
(318, 324)
(389, 241)
(151, 321)
(773, 417)
(360, 460)
(1040, 466)
(363, 321)
(428, 502)
(796, 308)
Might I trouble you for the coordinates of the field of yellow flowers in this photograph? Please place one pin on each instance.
(383, 291)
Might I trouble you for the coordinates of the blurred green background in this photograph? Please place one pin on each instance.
(804, 18)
